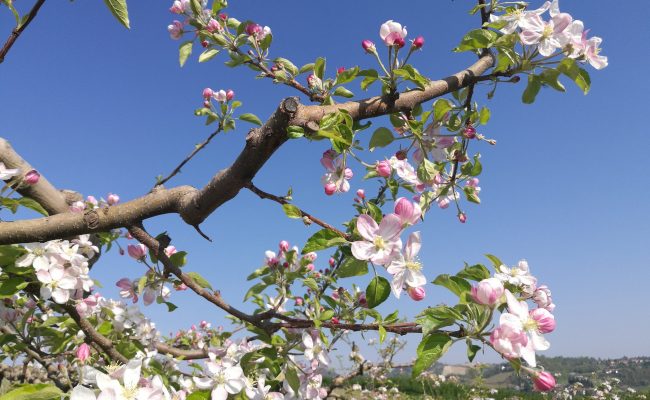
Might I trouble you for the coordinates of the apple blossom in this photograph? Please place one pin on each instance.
(83, 352)
(406, 268)
(488, 292)
(315, 350)
(516, 16)
(6, 173)
(542, 297)
(392, 33)
(337, 176)
(544, 319)
(380, 241)
(592, 53)
(56, 284)
(383, 168)
(518, 276)
(225, 378)
(408, 211)
(546, 35)
(128, 289)
(175, 30)
(213, 26)
(220, 96)
(78, 206)
(137, 251)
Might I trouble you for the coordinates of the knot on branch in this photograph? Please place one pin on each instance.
(91, 219)
(290, 105)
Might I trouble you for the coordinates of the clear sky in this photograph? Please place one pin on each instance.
(101, 109)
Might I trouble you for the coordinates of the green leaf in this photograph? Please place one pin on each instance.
(10, 253)
(322, 239)
(432, 347)
(495, 260)
(370, 77)
(426, 171)
(319, 67)
(292, 378)
(570, 68)
(334, 136)
(476, 272)
(550, 77)
(343, 92)
(200, 280)
(11, 286)
(470, 194)
(534, 84)
(484, 116)
(258, 272)
(472, 349)
(306, 68)
(288, 65)
(33, 205)
(477, 39)
(352, 267)
(255, 289)
(382, 334)
(179, 258)
(346, 76)
(455, 284)
(440, 108)
(382, 137)
(40, 391)
(170, 306)
(208, 55)
(184, 51)
(377, 291)
(295, 132)
(119, 10)
(292, 211)
(252, 118)
(199, 395)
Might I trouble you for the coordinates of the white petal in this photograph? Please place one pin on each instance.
(362, 250)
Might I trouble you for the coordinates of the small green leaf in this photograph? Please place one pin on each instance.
(33, 205)
(382, 137)
(295, 132)
(119, 10)
(495, 260)
(319, 67)
(200, 280)
(184, 51)
(377, 291)
(292, 211)
(321, 240)
(12, 286)
(472, 349)
(382, 334)
(179, 258)
(199, 395)
(343, 92)
(550, 77)
(476, 272)
(347, 76)
(208, 55)
(288, 65)
(432, 347)
(457, 285)
(292, 378)
(306, 68)
(252, 118)
(570, 68)
(40, 391)
(477, 39)
(352, 267)
(534, 84)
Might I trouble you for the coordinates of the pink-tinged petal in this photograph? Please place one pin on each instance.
(510, 322)
(203, 383)
(307, 340)
(56, 272)
(398, 265)
(415, 279)
(60, 296)
(390, 227)
(413, 245)
(397, 284)
(367, 227)
(518, 308)
(41, 263)
(82, 393)
(539, 343)
(362, 250)
(44, 276)
(67, 282)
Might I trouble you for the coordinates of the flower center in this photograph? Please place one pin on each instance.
(547, 32)
(379, 242)
(130, 392)
(413, 265)
(530, 325)
(38, 252)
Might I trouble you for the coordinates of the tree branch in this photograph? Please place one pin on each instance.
(19, 29)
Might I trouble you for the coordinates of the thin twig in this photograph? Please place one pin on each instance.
(19, 29)
(281, 200)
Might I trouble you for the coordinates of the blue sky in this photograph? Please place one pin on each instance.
(101, 109)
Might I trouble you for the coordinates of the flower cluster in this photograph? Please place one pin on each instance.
(561, 32)
(92, 203)
(337, 176)
(61, 267)
(382, 245)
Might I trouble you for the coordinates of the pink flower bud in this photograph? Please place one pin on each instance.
(205, 43)
(175, 30)
(223, 16)
(204, 324)
(311, 267)
(399, 42)
(542, 297)
(124, 283)
(462, 218)
(469, 132)
(213, 26)
(416, 293)
(330, 189)
(473, 182)
(335, 295)
(32, 177)
(112, 199)
(83, 352)
(92, 200)
(408, 212)
(253, 29)
(311, 256)
(368, 46)
(383, 169)
(284, 245)
(488, 292)
(544, 319)
(230, 94)
(340, 70)
(77, 206)
(418, 42)
(335, 320)
(169, 250)
(543, 381)
(181, 287)
(299, 301)
(363, 302)
(137, 251)
(361, 194)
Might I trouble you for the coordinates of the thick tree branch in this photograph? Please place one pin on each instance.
(19, 29)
